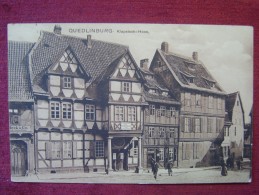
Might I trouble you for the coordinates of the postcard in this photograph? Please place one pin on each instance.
(130, 103)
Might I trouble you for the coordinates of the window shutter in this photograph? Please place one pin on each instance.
(201, 127)
(182, 119)
(193, 124)
(92, 149)
(74, 149)
(48, 150)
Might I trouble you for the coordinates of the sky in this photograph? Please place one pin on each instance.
(226, 51)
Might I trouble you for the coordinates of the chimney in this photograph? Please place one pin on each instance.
(89, 41)
(165, 47)
(57, 29)
(144, 64)
(195, 55)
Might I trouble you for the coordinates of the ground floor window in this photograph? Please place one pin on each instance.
(171, 154)
(60, 150)
(67, 149)
(99, 149)
(195, 150)
(161, 154)
(56, 150)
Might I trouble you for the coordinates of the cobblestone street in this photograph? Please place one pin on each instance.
(194, 175)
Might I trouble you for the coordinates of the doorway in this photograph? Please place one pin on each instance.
(18, 158)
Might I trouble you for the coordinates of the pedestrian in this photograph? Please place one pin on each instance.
(154, 166)
(224, 171)
(169, 167)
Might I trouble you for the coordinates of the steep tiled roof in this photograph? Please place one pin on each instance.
(230, 103)
(94, 60)
(156, 83)
(19, 87)
(185, 67)
(50, 47)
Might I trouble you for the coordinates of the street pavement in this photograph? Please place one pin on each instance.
(180, 176)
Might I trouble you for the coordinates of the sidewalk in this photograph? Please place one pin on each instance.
(78, 175)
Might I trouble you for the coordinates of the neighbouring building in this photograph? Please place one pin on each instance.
(202, 110)
(21, 106)
(233, 144)
(248, 137)
(161, 121)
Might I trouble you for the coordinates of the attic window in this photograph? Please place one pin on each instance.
(210, 82)
(152, 91)
(159, 63)
(164, 93)
(188, 77)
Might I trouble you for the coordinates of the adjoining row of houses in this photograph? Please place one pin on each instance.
(79, 104)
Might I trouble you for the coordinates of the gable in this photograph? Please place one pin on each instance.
(126, 68)
(67, 64)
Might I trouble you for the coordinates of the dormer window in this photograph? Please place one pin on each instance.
(67, 82)
(210, 82)
(188, 77)
(164, 93)
(152, 91)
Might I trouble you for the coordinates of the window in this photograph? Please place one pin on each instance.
(56, 150)
(161, 154)
(164, 93)
(210, 102)
(135, 148)
(197, 125)
(187, 124)
(152, 109)
(15, 111)
(67, 149)
(171, 133)
(171, 153)
(158, 112)
(151, 131)
(185, 151)
(119, 113)
(126, 87)
(55, 110)
(67, 111)
(172, 112)
(162, 108)
(89, 112)
(131, 113)
(195, 150)
(219, 104)
(152, 91)
(67, 82)
(210, 125)
(187, 99)
(162, 132)
(99, 149)
(15, 119)
(198, 100)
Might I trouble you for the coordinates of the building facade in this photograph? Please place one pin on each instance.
(161, 121)
(233, 144)
(202, 110)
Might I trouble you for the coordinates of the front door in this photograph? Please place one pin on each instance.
(18, 158)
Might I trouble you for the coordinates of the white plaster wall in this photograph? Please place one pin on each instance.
(136, 87)
(115, 85)
(54, 80)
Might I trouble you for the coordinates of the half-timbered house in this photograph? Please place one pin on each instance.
(161, 121)
(202, 105)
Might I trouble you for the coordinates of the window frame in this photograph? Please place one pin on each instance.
(151, 132)
(187, 124)
(126, 87)
(211, 101)
(162, 111)
(67, 149)
(162, 132)
(198, 100)
(56, 150)
(209, 124)
(132, 113)
(67, 113)
(152, 109)
(119, 113)
(67, 82)
(187, 99)
(99, 149)
(197, 127)
(89, 112)
(54, 112)
(172, 111)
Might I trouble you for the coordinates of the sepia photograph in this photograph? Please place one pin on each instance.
(130, 103)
